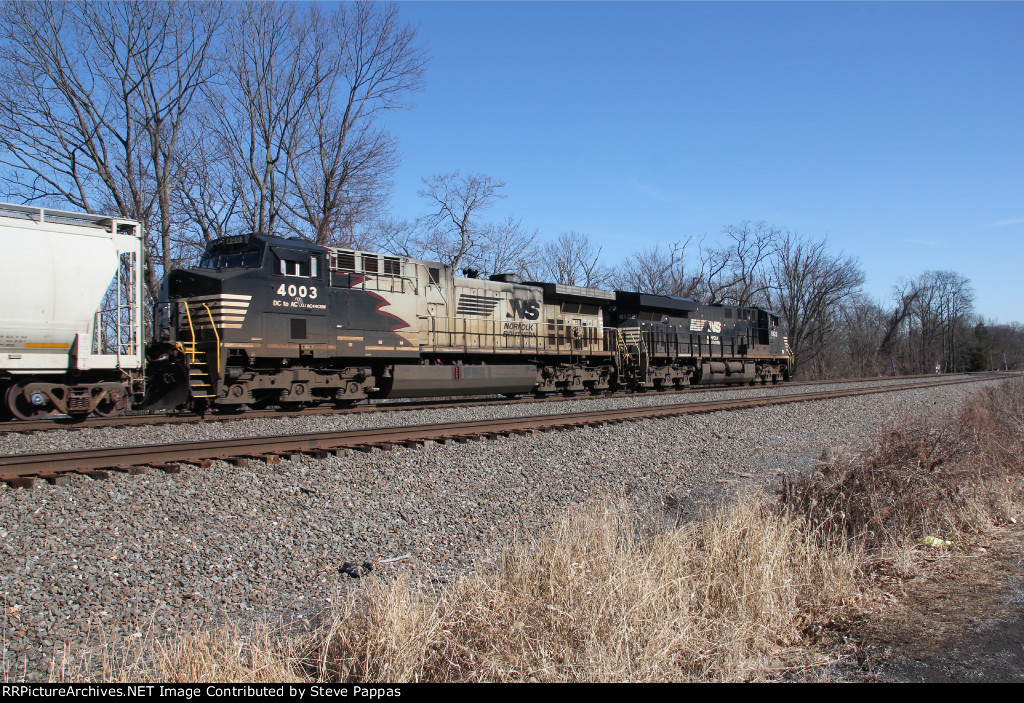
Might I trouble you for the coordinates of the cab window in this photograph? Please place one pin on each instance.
(296, 264)
(231, 257)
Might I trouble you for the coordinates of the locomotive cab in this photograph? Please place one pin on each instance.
(266, 319)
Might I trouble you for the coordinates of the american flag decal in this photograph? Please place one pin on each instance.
(479, 305)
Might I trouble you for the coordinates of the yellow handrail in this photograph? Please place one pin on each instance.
(625, 356)
(191, 329)
(216, 334)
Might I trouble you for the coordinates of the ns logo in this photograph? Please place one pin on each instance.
(525, 309)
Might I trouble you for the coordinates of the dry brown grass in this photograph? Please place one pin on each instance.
(717, 600)
(739, 595)
(731, 597)
(948, 477)
(264, 654)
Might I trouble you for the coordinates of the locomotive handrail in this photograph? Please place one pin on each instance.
(191, 329)
(216, 334)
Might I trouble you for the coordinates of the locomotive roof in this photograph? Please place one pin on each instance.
(272, 239)
(560, 290)
(670, 303)
(749, 306)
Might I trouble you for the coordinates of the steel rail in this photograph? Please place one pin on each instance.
(46, 464)
(66, 423)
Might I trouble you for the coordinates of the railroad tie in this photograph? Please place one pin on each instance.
(55, 479)
(130, 470)
(166, 468)
(201, 463)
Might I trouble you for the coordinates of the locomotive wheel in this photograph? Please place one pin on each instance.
(18, 405)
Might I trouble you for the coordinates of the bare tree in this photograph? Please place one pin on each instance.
(208, 197)
(574, 261)
(941, 309)
(1007, 345)
(659, 270)
(957, 300)
(453, 229)
(288, 138)
(94, 99)
(735, 273)
(368, 63)
(507, 247)
(399, 237)
(271, 61)
(906, 295)
(855, 348)
(806, 284)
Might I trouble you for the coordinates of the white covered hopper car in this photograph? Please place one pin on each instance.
(70, 312)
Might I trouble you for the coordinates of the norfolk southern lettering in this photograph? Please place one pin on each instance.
(526, 309)
(519, 329)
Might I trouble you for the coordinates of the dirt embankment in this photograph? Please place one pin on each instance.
(962, 621)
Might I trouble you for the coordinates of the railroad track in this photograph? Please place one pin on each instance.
(66, 423)
(22, 470)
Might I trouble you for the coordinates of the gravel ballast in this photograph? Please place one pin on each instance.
(98, 561)
(12, 442)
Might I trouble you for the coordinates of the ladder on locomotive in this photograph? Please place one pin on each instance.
(199, 382)
(631, 353)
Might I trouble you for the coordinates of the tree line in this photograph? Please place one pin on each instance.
(202, 119)
(205, 118)
(928, 325)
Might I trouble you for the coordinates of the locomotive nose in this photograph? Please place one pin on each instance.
(186, 284)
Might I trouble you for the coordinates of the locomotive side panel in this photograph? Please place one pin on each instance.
(485, 318)
(665, 341)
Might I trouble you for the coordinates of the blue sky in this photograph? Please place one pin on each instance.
(896, 129)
